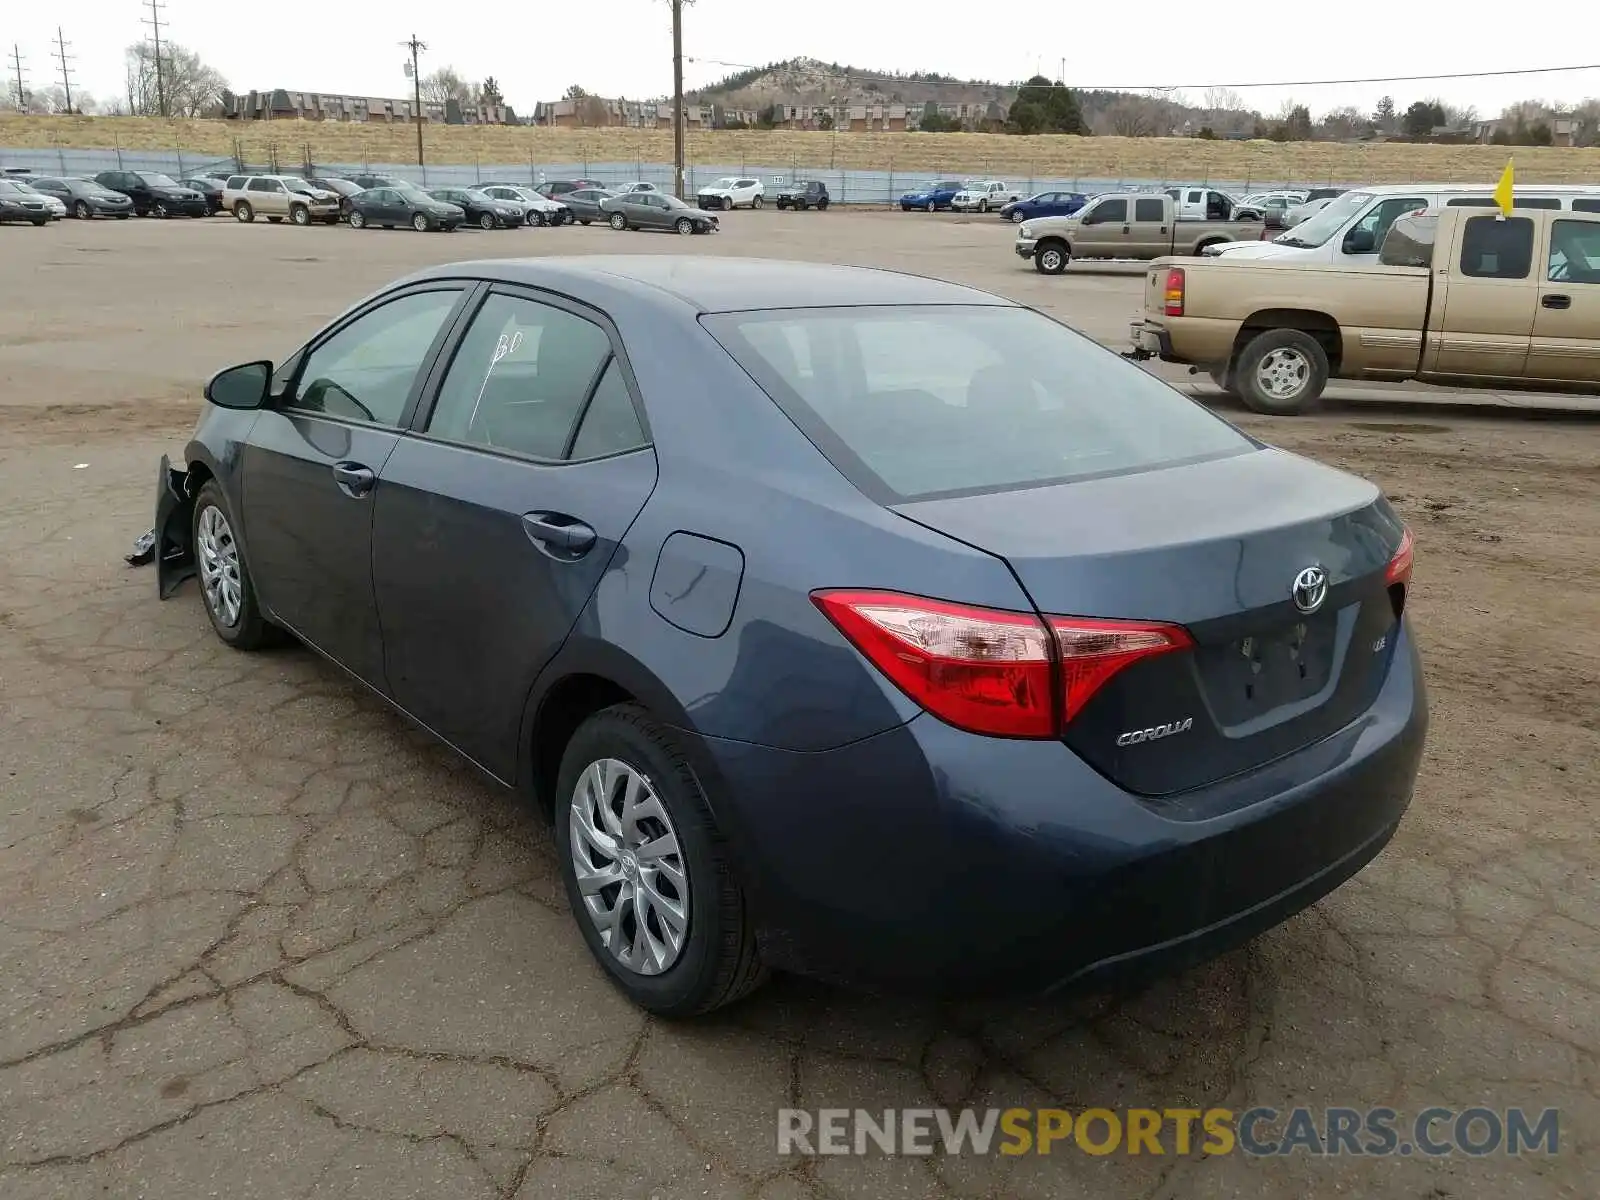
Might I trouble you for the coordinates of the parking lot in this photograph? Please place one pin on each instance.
(263, 939)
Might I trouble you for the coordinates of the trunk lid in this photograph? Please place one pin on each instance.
(1216, 547)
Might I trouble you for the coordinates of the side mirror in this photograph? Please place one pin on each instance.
(242, 387)
(1360, 241)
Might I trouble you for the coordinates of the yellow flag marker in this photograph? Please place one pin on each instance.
(1502, 190)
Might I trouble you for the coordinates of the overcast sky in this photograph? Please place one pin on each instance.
(624, 47)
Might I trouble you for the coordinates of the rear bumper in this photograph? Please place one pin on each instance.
(929, 860)
(1146, 339)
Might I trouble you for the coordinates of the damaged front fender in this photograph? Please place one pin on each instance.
(174, 548)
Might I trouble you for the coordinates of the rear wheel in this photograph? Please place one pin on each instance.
(647, 872)
(358, 219)
(1282, 371)
(583, 220)
(243, 213)
(618, 221)
(822, 205)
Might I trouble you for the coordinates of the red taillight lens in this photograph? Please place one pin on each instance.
(987, 670)
(1092, 651)
(1174, 292)
(1400, 565)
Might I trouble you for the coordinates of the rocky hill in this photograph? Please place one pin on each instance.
(808, 80)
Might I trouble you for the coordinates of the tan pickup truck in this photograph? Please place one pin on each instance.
(1458, 296)
(1134, 225)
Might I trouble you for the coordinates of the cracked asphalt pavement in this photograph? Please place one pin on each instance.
(262, 939)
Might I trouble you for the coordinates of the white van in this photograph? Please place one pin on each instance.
(1350, 230)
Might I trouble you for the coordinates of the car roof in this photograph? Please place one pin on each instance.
(717, 284)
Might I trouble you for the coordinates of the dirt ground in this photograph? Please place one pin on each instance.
(261, 939)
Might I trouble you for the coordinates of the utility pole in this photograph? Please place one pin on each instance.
(677, 98)
(16, 66)
(62, 59)
(154, 21)
(416, 48)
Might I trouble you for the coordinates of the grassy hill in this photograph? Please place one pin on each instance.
(1042, 157)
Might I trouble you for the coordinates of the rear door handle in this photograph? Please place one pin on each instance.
(1557, 301)
(353, 478)
(559, 532)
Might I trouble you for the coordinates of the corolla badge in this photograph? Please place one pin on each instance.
(1310, 589)
(1156, 732)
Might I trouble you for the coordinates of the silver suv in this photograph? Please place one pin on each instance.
(278, 196)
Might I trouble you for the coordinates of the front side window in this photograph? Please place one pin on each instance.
(365, 372)
(520, 378)
(913, 402)
(1108, 212)
(1497, 248)
(1385, 214)
(1574, 252)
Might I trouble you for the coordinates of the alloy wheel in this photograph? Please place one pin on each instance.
(218, 556)
(629, 867)
(1283, 373)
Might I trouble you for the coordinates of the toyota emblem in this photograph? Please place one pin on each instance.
(1310, 589)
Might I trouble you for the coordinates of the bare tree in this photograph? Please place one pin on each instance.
(191, 88)
(1342, 124)
(1223, 99)
(1131, 116)
(1586, 130)
(1460, 117)
(447, 84)
(53, 99)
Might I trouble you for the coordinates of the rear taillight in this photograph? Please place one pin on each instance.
(1174, 292)
(989, 671)
(1397, 577)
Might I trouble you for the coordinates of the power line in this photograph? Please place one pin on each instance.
(62, 59)
(1169, 87)
(154, 21)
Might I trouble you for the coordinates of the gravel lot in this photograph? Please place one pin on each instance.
(262, 939)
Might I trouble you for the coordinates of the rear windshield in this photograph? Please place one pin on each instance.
(911, 403)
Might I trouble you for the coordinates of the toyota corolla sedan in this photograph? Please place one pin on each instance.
(841, 621)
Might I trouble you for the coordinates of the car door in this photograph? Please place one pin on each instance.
(1150, 235)
(311, 464)
(1485, 323)
(651, 209)
(495, 521)
(1566, 326)
(264, 196)
(1104, 230)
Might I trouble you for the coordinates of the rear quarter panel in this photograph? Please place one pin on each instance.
(1379, 311)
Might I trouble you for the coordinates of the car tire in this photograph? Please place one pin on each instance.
(299, 214)
(123, 216)
(39, 222)
(1051, 258)
(486, 221)
(226, 589)
(983, 206)
(932, 207)
(717, 961)
(756, 203)
(1281, 372)
(584, 221)
(1017, 218)
(727, 203)
(618, 222)
(684, 226)
(82, 211)
(420, 223)
(357, 219)
(243, 213)
(822, 205)
(159, 210)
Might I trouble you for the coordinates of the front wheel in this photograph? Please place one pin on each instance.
(226, 589)
(81, 211)
(646, 870)
(1017, 218)
(300, 215)
(583, 221)
(1282, 372)
(420, 223)
(756, 203)
(486, 221)
(727, 203)
(618, 221)
(932, 207)
(159, 210)
(1051, 259)
(684, 225)
(358, 219)
(983, 206)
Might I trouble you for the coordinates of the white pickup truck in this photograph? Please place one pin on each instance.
(983, 194)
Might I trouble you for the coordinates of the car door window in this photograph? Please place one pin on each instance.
(1386, 213)
(365, 371)
(520, 378)
(610, 424)
(1497, 248)
(1110, 212)
(1574, 252)
(1149, 210)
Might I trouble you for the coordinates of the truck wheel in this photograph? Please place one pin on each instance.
(1282, 372)
(1051, 258)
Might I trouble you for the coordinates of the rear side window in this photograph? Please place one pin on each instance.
(235, 182)
(1583, 204)
(1148, 210)
(1496, 248)
(915, 402)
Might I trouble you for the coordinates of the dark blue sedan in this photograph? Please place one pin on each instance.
(841, 621)
(933, 197)
(1045, 204)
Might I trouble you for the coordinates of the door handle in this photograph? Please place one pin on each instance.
(353, 478)
(1556, 301)
(556, 531)
(1125, 229)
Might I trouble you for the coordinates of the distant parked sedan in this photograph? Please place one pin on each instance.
(482, 209)
(655, 210)
(208, 187)
(57, 206)
(557, 189)
(536, 209)
(585, 204)
(841, 621)
(931, 197)
(392, 206)
(17, 203)
(1045, 204)
(84, 198)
